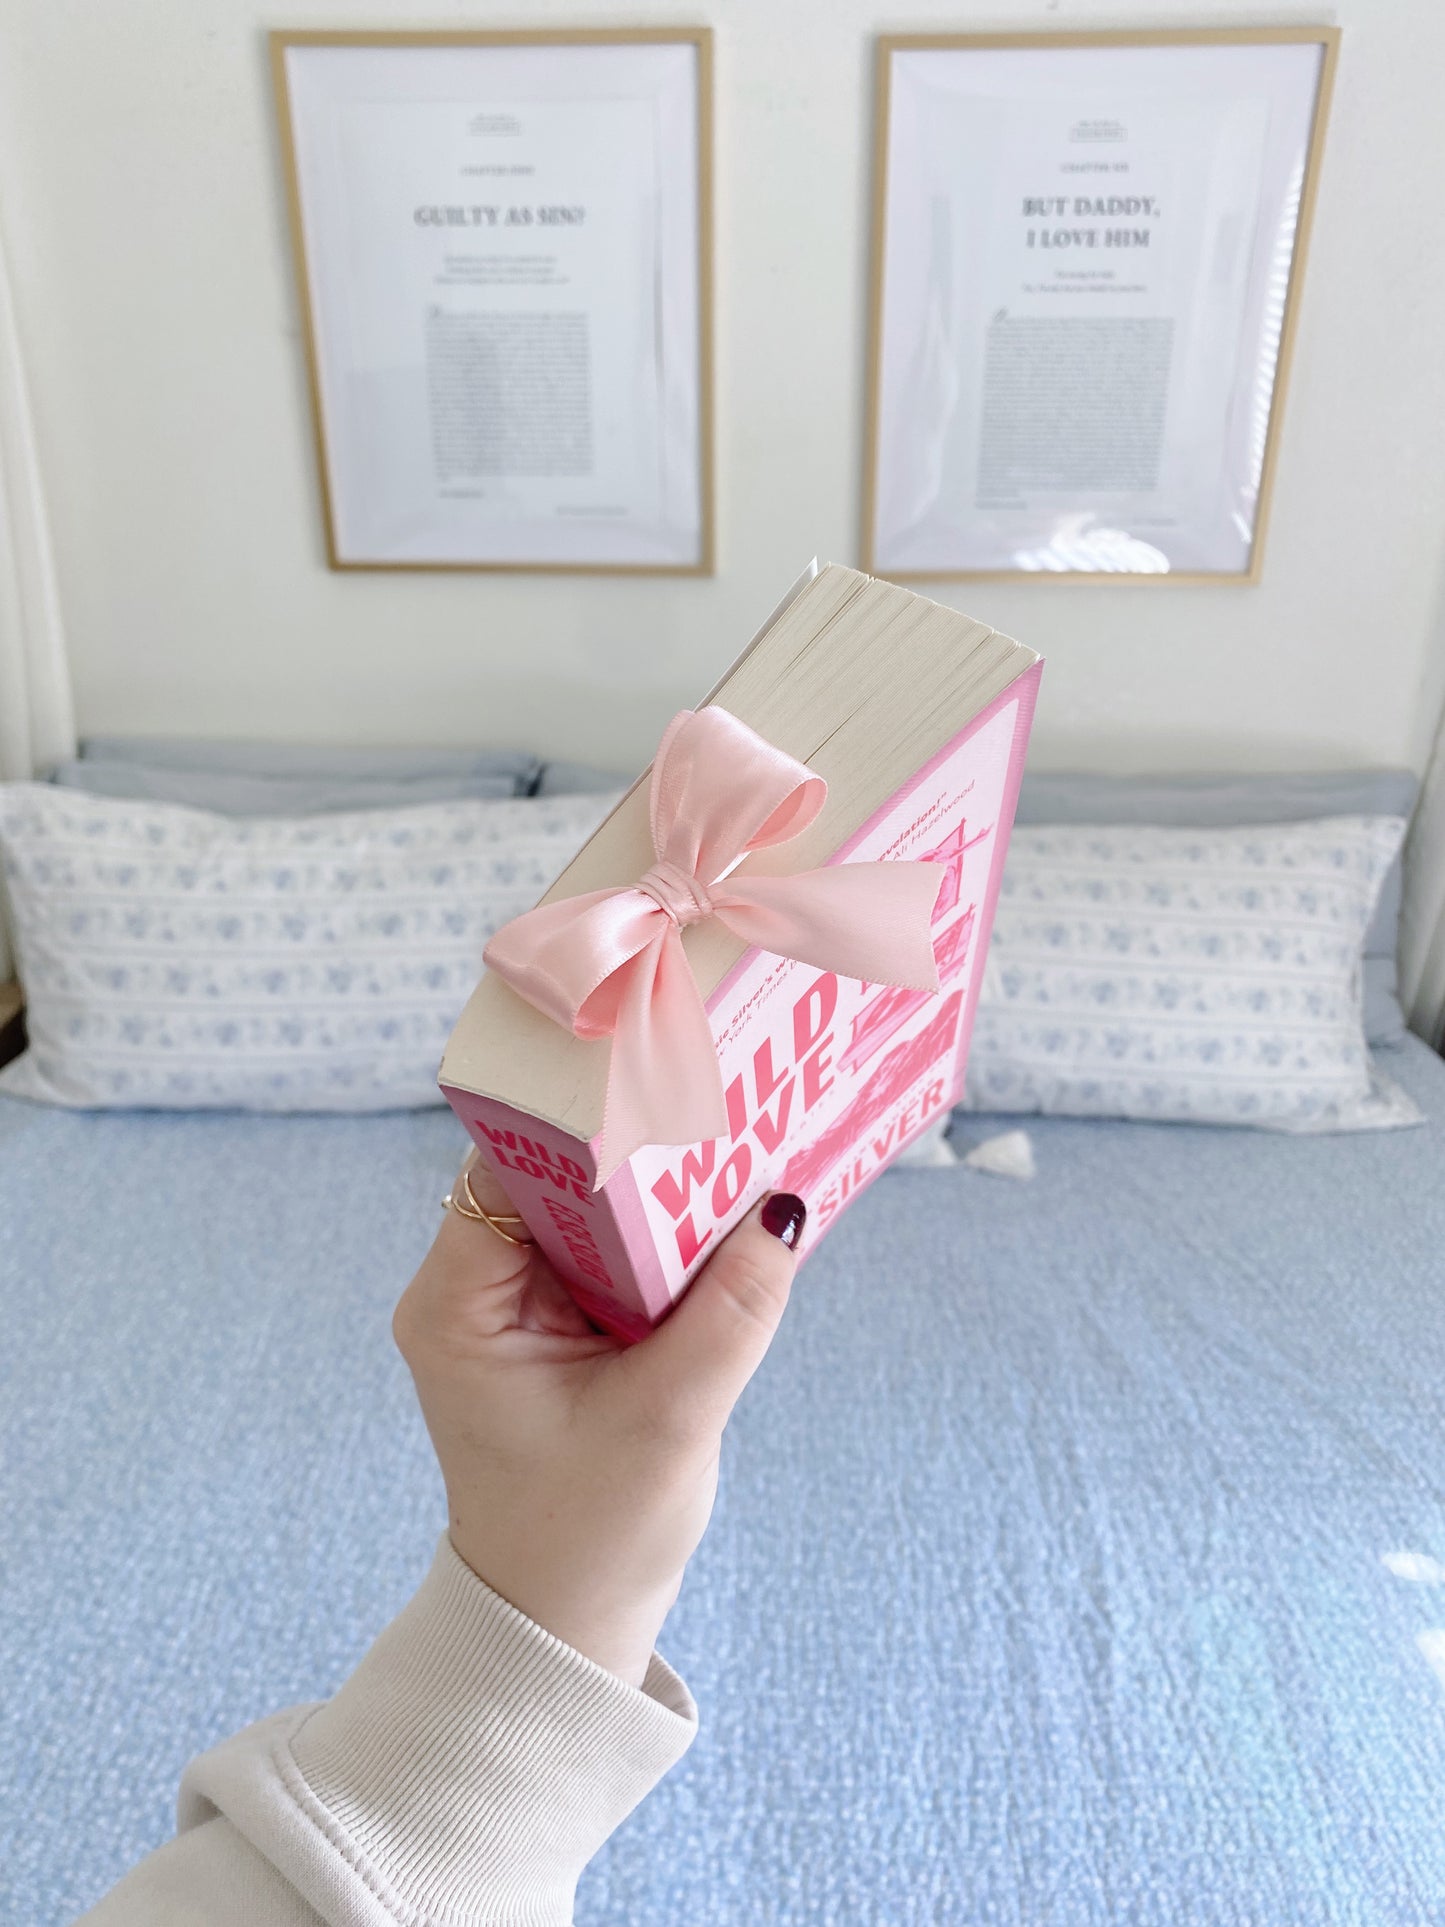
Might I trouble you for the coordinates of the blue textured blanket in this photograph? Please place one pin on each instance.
(1077, 1559)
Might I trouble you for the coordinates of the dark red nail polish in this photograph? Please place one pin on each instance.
(784, 1215)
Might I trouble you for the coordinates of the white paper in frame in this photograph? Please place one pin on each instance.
(1087, 258)
(503, 250)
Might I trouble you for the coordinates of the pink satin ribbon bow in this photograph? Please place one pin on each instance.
(610, 963)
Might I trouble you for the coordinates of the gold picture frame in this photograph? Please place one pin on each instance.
(888, 49)
(283, 43)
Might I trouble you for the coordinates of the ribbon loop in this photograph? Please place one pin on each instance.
(610, 963)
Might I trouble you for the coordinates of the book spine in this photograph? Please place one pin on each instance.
(549, 1176)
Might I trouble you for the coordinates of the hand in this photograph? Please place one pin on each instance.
(580, 1473)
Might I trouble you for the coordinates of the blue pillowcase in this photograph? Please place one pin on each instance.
(1203, 975)
(180, 959)
(1236, 801)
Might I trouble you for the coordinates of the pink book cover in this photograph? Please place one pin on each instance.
(827, 1079)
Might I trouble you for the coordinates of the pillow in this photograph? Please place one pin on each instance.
(315, 759)
(181, 960)
(1206, 976)
(1233, 800)
(237, 794)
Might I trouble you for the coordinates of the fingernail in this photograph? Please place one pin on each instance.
(784, 1215)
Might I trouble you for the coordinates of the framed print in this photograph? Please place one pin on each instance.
(503, 248)
(1087, 256)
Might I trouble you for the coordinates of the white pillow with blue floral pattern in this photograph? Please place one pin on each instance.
(176, 959)
(1202, 976)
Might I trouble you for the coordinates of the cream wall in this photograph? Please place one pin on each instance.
(143, 210)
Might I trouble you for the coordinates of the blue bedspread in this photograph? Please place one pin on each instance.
(1080, 1558)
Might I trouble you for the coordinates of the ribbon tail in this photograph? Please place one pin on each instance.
(863, 920)
(664, 1084)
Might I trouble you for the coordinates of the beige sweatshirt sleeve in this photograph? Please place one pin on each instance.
(466, 1772)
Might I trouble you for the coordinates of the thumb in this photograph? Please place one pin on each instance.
(699, 1360)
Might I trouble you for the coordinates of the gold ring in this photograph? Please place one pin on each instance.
(478, 1215)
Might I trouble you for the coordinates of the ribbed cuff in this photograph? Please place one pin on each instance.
(476, 1763)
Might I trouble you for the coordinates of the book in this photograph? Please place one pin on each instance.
(918, 718)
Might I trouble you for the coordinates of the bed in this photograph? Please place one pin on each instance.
(1080, 1556)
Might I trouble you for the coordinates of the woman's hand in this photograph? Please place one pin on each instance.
(580, 1473)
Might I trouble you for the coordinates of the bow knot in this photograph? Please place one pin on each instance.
(610, 963)
(683, 897)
